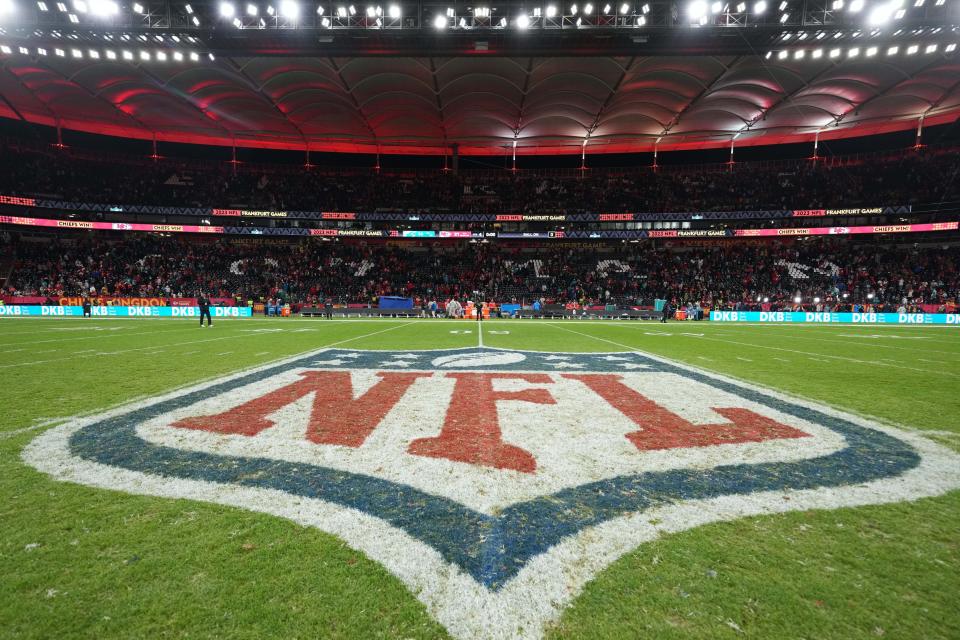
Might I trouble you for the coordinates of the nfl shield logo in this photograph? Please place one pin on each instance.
(494, 483)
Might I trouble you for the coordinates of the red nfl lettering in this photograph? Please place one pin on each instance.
(336, 418)
(471, 428)
(662, 429)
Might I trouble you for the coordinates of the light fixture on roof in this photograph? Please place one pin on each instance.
(784, 18)
(227, 10)
(950, 48)
(161, 56)
(138, 8)
(588, 8)
(93, 53)
(697, 9)
(573, 9)
(606, 9)
(76, 53)
(716, 7)
(523, 21)
(394, 11)
(127, 55)
(440, 22)
(855, 6)
(111, 55)
(325, 22)
(43, 6)
(835, 53)
(871, 51)
(892, 51)
(782, 55)
(503, 22)
(188, 9)
(783, 5)
(252, 10)
(799, 54)
(371, 12)
(816, 54)
(196, 21)
(289, 9)
(645, 9)
(551, 11)
(931, 48)
(238, 23)
(73, 18)
(144, 55)
(760, 7)
(41, 51)
(912, 49)
(742, 7)
(641, 21)
(104, 8)
(341, 12)
(194, 56)
(624, 9)
(837, 5)
(854, 52)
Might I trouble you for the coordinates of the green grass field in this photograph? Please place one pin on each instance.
(79, 562)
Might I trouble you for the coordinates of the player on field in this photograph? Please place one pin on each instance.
(204, 303)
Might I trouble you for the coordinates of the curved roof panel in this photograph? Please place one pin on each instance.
(482, 104)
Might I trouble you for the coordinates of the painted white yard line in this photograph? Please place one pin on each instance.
(262, 353)
(105, 335)
(480, 334)
(45, 422)
(744, 359)
(871, 344)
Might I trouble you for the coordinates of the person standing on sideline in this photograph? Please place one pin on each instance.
(86, 307)
(667, 310)
(204, 303)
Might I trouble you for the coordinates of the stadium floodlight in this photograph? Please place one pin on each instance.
(289, 9)
(624, 9)
(835, 53)
(73, 18)
(716, 7)
(227, 10)
(641, 21)
(854, 52)
(573, 9)
(912, 49)
(59, 53)
(80, 6)
(127, 55)
(606, 9)
(42, 52)
(782, 55)
(697, 10)
(882, 13)
(252, 10)
(76, 53)
(7, 7)
(394, 11)
(856, 6)
(440, 22)
(523, 21)
(5, 49)
(145, 56)
(931, 48)
(760, 7)
(325, 22)
(104, 8)
(950, 48)
(871, 51)
(138, 8)
(43, 6)
(892, 51)
(587, 9)
(341, 12)
(178, 56)
(194, 57)
(551, 11)
(371, 12)
(799, 54)
(817, 54)
(798, 300)
(742, 7)
(645, 9)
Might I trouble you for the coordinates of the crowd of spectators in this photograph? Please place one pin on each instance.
(725, 274)
(907, 179)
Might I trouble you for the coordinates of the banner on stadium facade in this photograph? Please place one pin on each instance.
(817, 317)
(532, 235)
(117, 311)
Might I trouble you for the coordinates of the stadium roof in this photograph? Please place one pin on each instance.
(151, 73)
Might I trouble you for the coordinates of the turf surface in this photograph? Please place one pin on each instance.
(77, 562)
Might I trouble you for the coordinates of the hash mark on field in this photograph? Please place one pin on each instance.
(744, 359)
(262, 353)
(816, 359)
(705, 358)
(782, 359)
(225, 353)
